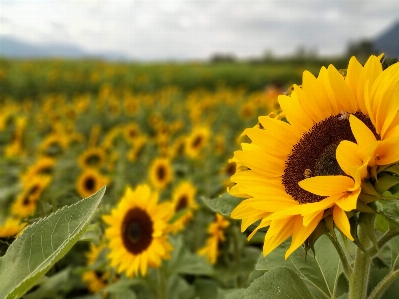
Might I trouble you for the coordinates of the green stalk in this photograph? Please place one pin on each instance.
(358, 282)
(384, 284)
(345, 264)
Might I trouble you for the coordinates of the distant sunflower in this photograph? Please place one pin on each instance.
(93, 157)
(43, 166)
(137, 232)
(160, 173)
(96, 280)
(196, 142)
(53, 144)
(131, 132)
(25, 204)
(216, 235)
(311, 168)
(89, 182)
(11, 227)
(183, 198)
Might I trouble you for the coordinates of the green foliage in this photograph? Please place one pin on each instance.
(224, 204)
(278, 283)
(42, 244)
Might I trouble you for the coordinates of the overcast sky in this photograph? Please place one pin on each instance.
(181, 29)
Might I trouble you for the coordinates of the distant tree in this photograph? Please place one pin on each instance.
(361, 49)
(222, 57)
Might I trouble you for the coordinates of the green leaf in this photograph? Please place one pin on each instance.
(366, 221)
(320, 272)
(236, 294)
(42, 244)
(390, 210)
(381, 223)
(392, 169)
(385, 182)
(185, 262)
(279, 283)
(224, 204)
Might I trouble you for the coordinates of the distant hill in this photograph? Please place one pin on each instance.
(14, 48)
(388, 41)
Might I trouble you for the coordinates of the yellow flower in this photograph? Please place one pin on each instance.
(311, 168)
(11, 227)
(183, 198)
(196, 142)
(160, 173)
(89, 182)
(92, 157)
(25, 204)
(216, 235)
(136, 232)
(43, 166)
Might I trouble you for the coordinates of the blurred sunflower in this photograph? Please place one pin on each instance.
(25, 204)
(183, 198)
(93, 157)
(216, 235)
(53, 144)
(43, 166)
(95, 280)
(89, 182)
(196, 142)
(11, 227)
(311, 168)
(131, 132)
(160, 173)
(137, 232)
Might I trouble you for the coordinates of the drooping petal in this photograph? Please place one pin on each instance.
(362, 133)
(347, 156)
(342, 222)
(387, 151)
(348, 202)
(278, 232)
(300, 232)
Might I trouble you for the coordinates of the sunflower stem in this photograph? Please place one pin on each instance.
(382, 241)
(345, 264)
(161, 284)
(358, 282)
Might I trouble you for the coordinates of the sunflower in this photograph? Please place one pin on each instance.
(131, 132)
(43, 166)
(196, 142)
(160, 173)
(53, 144)
(95, 280)
(11, 227)
(136, 232)
(89, 182)
(183, 198)
(25, 203)
(311, 169)
(216, 235)
(93, 157)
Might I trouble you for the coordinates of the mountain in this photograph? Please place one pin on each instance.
(388, 41)
(14, 48)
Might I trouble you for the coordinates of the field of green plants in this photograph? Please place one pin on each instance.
(161, 137)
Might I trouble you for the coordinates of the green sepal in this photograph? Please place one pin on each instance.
(362, 207)
(354, 222)
(366, 222)
(386, 182)
(320, 230)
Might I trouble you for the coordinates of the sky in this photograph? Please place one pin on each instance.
(195, 29)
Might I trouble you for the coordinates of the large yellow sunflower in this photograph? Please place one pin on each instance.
(160, 173)
(183, 198)
(89, 182)
(312, 168)
(137, 232)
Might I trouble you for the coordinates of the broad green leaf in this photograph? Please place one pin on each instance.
(392, 169)
(185, 262)
(206, 288)
(390, 210)
(236, 294)
(381, 223)
(320, 272)
(279, 283)
(224, 204)
(179, 288)
(394, 246)
(42, 244)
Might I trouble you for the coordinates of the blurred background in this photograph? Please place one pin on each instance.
(181, 30)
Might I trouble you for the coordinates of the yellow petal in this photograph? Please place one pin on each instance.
(387, 151)
(342, 222)
(301, 233)
(294, 112)
(278, 232)
(327, 185)
(352, 78)
(348, 202)
(347, 101)
(362, 133)
(347, 157)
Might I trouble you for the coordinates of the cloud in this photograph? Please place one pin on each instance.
(148, 29)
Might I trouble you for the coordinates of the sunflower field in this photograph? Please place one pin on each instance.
(128, 180)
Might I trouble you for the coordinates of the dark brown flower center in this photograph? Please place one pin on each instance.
(93, 159)
(231, 168)
(137, 230)
(315, 154)
(161, 172)
(90, 183)
(197, 142)
(182, 203)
